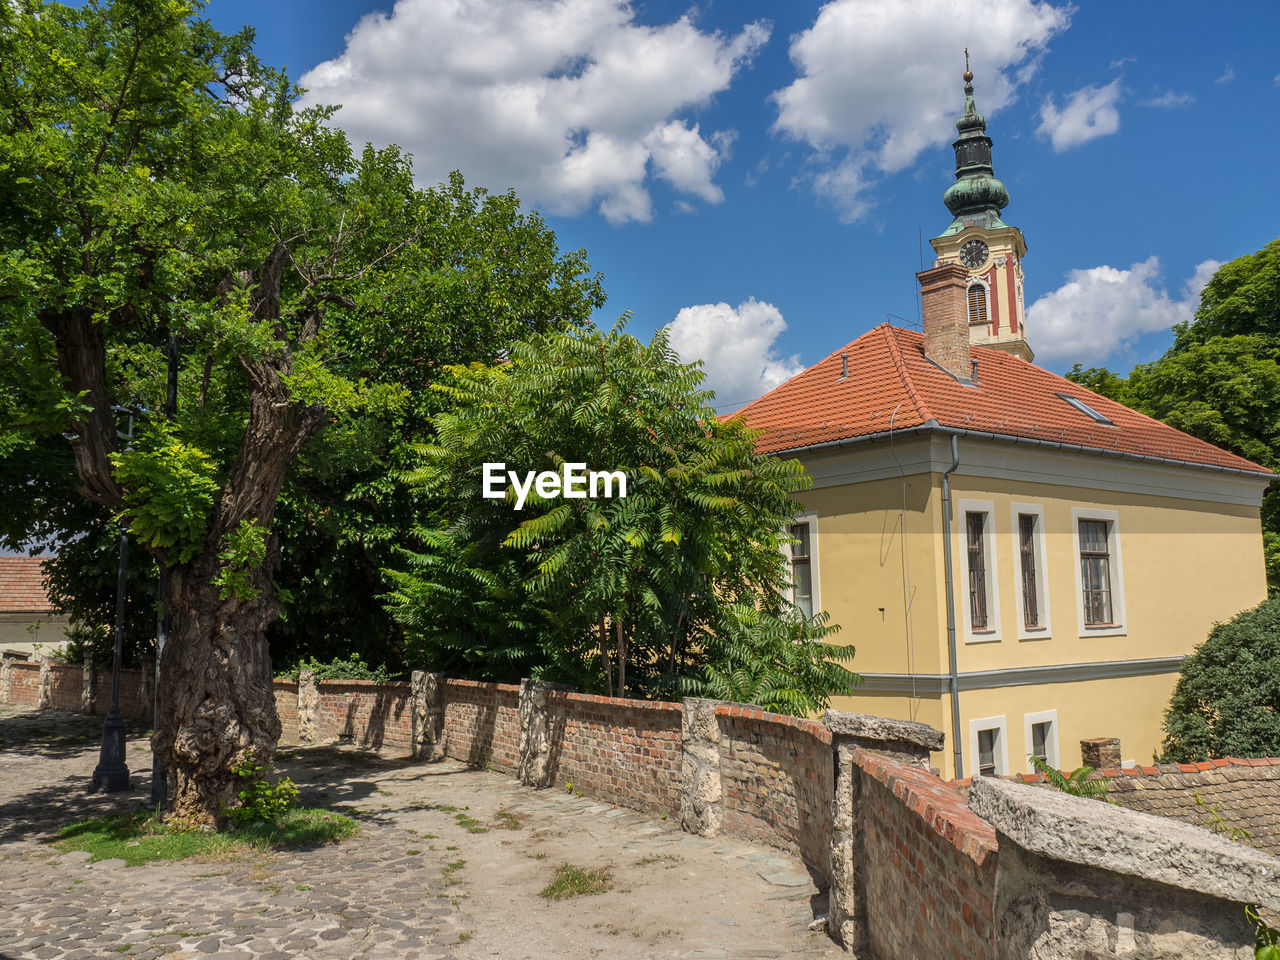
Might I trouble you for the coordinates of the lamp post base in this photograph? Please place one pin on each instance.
(111, 774)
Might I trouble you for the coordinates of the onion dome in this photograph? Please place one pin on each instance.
(976, 194)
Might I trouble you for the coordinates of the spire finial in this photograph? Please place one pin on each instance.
(968, 74)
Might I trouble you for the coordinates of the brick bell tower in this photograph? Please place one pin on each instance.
(989, 249)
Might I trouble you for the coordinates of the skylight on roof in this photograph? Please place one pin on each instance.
(1085, 408)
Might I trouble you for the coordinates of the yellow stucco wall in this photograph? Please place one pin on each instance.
(877, 583)
(17, 637)
(1184, 565)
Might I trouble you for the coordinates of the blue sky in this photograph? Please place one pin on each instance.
(760, 173)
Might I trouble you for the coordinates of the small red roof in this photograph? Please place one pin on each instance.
(22, 586)
(892, 385)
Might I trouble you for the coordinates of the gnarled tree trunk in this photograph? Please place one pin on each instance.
(217, 708)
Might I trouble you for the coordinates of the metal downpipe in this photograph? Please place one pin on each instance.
(951, 606)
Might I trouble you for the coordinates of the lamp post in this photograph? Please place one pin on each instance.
(112, 775)
(160, 776)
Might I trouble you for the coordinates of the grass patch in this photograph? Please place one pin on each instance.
(470, 824)
(506, 820)
(571, 881)
(140, 837)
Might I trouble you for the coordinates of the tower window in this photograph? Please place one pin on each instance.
(977, 303)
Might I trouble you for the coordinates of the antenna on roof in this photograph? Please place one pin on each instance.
(909, 323)
(916, 286)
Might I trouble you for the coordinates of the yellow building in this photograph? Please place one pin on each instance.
(1019, 561)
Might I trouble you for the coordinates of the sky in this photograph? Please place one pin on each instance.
(760, 176)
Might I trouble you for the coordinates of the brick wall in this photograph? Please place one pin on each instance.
(482, 724)
(626, 752)
(66, 684)
(777, 775)
(130, 680)
(286, 692)
(24, 688)
(929, 864)
(370, 714)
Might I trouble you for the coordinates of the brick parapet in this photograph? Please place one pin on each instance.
(942, 807)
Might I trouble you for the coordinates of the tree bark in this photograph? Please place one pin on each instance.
(216, 697)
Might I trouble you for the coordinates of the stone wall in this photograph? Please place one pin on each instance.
(776, 773)
(1016, 872)
(1222, 795)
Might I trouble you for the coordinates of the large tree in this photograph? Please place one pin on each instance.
(1220, 381)
(676, 587)
(157, 182)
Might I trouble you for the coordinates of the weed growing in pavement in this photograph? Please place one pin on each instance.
(571, 881)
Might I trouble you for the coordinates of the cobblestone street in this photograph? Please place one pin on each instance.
(449, 861)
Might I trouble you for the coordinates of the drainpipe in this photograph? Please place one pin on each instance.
(951, 605)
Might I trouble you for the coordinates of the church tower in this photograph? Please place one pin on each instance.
(987, 247)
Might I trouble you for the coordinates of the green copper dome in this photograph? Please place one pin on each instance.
(976, 196)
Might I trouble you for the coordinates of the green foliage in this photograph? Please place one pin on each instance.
(774, 660)
(1227, 698)
(243, 556)
(187, 164)
(261, 801)
(1220, 381)
(644, 590)
(353, 668)
(170, 490)
(486, 273)
(1076, 783)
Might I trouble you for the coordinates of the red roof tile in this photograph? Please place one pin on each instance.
(22, 586)
(892, 385)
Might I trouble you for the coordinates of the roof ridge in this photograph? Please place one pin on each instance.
(891, 339)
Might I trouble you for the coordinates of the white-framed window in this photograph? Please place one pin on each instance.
(989, 747)
(1031, 591)
(979, 301)
(1099, 572)
(981, 593)
(802, 563)
(1041, 730)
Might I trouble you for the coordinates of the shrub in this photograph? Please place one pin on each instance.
(353, 668)
(261, 800)
(1227, 699)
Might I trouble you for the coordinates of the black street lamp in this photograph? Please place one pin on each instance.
(112, 775)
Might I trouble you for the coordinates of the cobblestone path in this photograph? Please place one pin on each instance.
(449, 862)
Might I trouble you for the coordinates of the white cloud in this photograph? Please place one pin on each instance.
(737, 347)
(1101, 309)
(1228, 74)
(1089, 113)
(878, 81)
(571, 102)
(1169, 100)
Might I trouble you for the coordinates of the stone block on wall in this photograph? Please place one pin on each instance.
(702, 792)
(427, 717)
(308, 706)
(1101, 753)
(1078, 878)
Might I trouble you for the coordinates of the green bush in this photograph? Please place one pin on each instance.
(1227, 699)
(352, 668)
(261, 800)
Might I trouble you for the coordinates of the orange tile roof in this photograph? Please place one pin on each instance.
(892, 385)
(22, 586)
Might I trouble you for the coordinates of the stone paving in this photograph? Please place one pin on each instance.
(448, 863)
